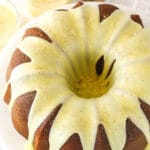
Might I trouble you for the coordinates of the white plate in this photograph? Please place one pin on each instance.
(9, 138)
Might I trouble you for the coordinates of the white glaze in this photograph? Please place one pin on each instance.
(116, 37)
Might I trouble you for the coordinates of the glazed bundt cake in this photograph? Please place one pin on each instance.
(79, 80)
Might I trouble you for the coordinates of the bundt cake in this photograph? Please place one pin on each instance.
(79, 80)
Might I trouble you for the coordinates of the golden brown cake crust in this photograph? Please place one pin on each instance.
(73, 142)
(17, 58)
(102, 142)
(41, 139)
(105, 10)
(146, 109)
(38, 33)
(80, 3)
(137, 19)
(7, 95)
(135, 138)
(20, 112)
(23, 104)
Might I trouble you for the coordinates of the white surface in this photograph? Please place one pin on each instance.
(9, 138)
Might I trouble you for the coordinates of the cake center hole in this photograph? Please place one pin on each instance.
(98, 82)
(91, 86)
